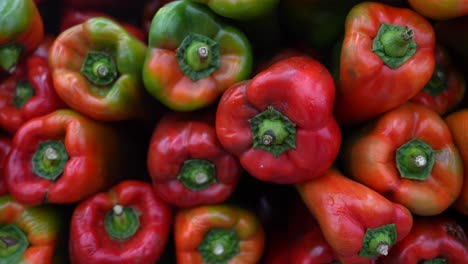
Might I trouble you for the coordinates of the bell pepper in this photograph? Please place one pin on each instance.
(457, 122)
(149, 10)
(72, 17)
(446, 88)
(407, 155)
(21, 31)
(281, 127)
(189, 65)
(44, 47)
(241, 10)
(126, 224)
(357, 222)
(187, 165)
(387, 57)
(218, 234)
(63, 157)
(432, 240)
(29, 234)
(440, 10)
(103, 4)
(96, 68)
(27, 94)
(5, 146)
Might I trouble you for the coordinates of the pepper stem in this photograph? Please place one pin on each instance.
(49, 160)
(13, 244)
(219, 246)
(377, 241)
(435, 261)
(438, 82)
(23, 92)
(9, 55)
(99, 68)
(197, 174)
(121, 223)
(415, 160)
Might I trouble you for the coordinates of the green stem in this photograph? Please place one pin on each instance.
(23, 92)
(197, 174)
(415, 160)
(49, 160)
(9, 55)
(99, 68)
(438, 82)
(121, 223)
(273, 132)
(434, 261)
(13, 244)
(219, 246)
(377, 241)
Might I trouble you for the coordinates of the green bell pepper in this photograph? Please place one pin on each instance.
(241, 9)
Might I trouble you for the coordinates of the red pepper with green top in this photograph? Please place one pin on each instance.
(30, 234)
(218, 234)
(409, 156)
(21, 31)
(127, 224)
(280, 123)
(359, 224)
(187, 164)
(29, 92)
(63, 157)
(5, 146)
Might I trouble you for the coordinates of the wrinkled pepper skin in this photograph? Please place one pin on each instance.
(280, 127)
(21, 31)
(458, 125)
(73, 17)
(187, 164)
(372, 82)
(189, 65)
(127, 224)
(241, 10)
(218, 234)
(37, 231)
(96, 68)
(408, 155)
(63, 157)
(346, 210)
(440, 10)
(447, 87)
(5, 146)
(436, 238)
(36, 78)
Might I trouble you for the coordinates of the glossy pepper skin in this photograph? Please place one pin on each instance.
(280, 123)
(31, 233)
(409, 156)
(446, 88)
(218, 234)
(440, 10)
(63, 157)
(187, 164)
(241, 10)
(28, 93)
(439, 239)
(21, 31)
(458, 125)
(96, 68)
(149, 10)
(189, 65)
(386, 58)
(5, 146)
(127, 224)
(358, 223)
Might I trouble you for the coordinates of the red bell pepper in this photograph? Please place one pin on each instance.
(5, 146)
(434, 240)
(440, 10)
(72, 17)
(407, 155)
(458, 125)
(21, 31)
(63, 157)
(186, 162)
(218, 234)
(357, 222)
(44, 47)
(387, 57)
(447, 87)
(28, 93)
(126, 224)
(280, 123)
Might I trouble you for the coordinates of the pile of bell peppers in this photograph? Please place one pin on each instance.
(233, 132)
